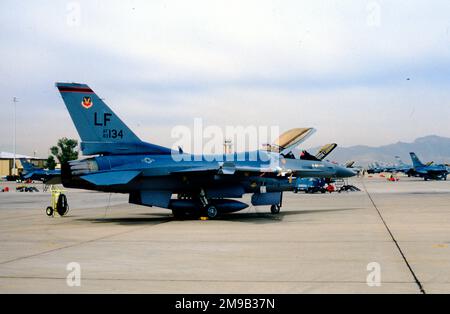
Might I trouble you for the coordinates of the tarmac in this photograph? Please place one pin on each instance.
(392, 237)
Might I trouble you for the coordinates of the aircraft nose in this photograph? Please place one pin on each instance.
(342, 172)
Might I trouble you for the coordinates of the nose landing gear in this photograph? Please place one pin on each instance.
(209, 209)
(275, 209)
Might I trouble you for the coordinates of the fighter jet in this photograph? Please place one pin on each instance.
(436, 172)
(45, 175)
(152, 174)
(403, 167)
(375, 168)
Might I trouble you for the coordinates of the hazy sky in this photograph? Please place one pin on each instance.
(361, 72)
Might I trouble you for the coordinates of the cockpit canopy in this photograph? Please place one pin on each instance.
(289, 140)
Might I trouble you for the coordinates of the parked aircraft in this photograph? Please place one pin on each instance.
(436, 172)
(151, 174)
(393, 168)
(37, 174)
(375, 168)
(404, 167)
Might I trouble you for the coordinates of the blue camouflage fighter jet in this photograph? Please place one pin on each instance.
(152, 174)
(435, 172)
(36, 174)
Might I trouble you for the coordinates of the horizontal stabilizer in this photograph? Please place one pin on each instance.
(111, 178)
(28, 175)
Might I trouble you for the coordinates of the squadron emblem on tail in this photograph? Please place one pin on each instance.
(87, 102)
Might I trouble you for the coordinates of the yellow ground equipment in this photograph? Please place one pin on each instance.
(58, 204)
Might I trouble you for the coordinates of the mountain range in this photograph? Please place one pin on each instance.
(429, 148)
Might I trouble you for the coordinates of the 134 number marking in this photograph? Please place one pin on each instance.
(112, 133)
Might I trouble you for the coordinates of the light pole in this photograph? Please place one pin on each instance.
(15, 100)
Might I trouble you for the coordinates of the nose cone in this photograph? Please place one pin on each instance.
(342, 172)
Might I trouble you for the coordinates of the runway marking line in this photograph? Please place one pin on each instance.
(416, 279)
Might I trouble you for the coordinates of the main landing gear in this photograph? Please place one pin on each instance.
(201, 207)
(211, 212)
(208, 209)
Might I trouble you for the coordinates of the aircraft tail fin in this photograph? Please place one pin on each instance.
(93, 119)
(415, 160)
(27, 166)
(399, 161)
(100, 129)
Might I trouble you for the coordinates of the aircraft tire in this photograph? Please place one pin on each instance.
(212, 212)
(275, 209)
(49, 211)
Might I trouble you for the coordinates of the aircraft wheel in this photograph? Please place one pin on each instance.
(49, 211)
(212, 212)
(275, 209)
